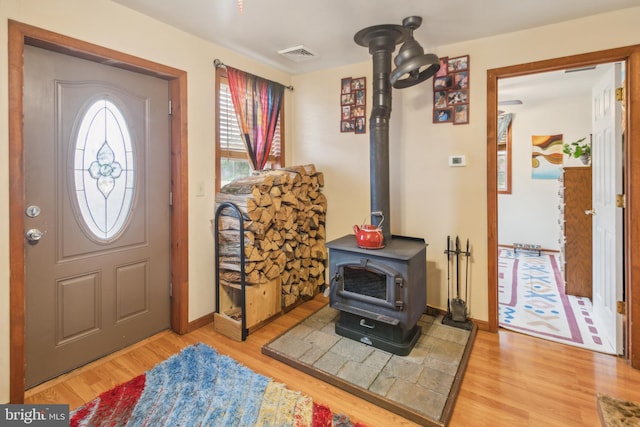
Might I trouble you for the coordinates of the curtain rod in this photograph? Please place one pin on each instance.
(217, 63)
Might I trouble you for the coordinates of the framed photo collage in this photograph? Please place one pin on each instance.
(353, 105)
(451, 91)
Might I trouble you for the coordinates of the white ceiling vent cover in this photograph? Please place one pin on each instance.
(298, 53)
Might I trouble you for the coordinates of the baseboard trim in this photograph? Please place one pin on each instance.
(200, 322)
(482, 325)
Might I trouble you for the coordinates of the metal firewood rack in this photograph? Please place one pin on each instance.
(243, 293)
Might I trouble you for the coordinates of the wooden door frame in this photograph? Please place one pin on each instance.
(631, 220)
(20, 35)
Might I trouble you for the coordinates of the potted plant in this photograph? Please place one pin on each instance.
(579, 149)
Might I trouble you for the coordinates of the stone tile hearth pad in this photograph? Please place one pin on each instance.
(422, 384)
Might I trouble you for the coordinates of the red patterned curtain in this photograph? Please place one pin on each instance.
(257, 103)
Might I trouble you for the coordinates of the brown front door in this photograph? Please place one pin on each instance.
(97, 220)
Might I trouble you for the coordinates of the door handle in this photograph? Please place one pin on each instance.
(590, 212)
(33, 235)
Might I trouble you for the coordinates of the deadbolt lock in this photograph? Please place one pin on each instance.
(32, 211)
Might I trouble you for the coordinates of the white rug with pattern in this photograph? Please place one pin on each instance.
(532, 300)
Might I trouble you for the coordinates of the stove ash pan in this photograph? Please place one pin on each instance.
(380, 293)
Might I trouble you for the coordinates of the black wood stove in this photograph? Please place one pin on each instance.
(381, 293)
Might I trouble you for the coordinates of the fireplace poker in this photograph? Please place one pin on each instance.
(466, 271)
(457, 307)
(448, 252)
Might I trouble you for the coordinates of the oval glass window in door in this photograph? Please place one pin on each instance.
(104, 169)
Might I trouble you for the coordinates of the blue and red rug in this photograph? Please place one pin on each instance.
(532, 301)
(199, 387)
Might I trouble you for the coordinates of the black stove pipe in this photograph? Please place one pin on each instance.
(411, 62)
(379, 141)
(381, 41)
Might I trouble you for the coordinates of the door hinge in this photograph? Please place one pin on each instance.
(621, 201)
(170, 198)
(621, 307)
(170, 107)
(620, 94)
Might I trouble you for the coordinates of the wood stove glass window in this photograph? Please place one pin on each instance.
(363, 281)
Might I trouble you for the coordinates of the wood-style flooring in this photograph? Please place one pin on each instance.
(511, 379)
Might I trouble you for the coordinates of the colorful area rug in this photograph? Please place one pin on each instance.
(532, 301)
(199, 387)
(616, 412)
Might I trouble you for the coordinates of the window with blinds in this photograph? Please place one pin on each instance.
(231, 153)
(504, 153)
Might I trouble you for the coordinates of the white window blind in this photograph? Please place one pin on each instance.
(230, 139)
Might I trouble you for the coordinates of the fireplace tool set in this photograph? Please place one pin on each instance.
(457, 307)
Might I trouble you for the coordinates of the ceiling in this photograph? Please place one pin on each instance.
(326, 27)
(542, 87)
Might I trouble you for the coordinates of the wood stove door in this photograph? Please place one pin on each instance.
(370, 283)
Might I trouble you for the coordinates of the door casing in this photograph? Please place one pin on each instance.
(631, 220)
(19, 35)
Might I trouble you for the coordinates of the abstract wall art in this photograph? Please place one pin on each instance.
(546, 156)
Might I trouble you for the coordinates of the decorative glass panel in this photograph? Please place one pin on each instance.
(104, 166)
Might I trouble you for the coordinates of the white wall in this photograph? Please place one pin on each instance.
(429, 199)
(530, 213)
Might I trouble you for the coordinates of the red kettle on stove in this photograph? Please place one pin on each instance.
(369, 236)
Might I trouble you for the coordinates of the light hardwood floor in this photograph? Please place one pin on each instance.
(511, 380)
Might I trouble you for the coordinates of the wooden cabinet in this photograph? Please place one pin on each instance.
(577, 231)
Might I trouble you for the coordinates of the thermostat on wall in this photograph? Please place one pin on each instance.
(457, 161)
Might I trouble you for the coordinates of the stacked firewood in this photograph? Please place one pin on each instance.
(284, 215)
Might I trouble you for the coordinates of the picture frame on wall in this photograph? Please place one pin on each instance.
(353, 104)
(461, 80)
(357, 84)
(459, 63)
(346, 85)
(346, 112)
(455, 97)
(444, 115)
(346, 126)
(440, 99)
(347, 99)
(461, 114)
(443, 82)
(451, 91)
(444, 67)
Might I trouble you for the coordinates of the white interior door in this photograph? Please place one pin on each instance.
(606, 160)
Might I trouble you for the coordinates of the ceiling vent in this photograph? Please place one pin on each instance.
(298, 53)
(510, 102)
(575, 70)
